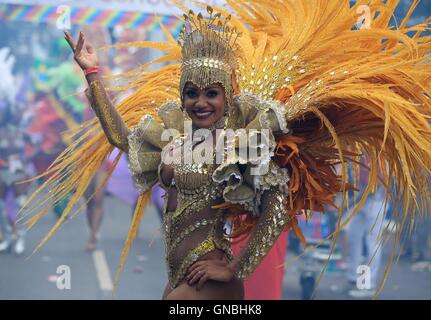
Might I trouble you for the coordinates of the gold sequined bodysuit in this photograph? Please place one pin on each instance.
(191, 231)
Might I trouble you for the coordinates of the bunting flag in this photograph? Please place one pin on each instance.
(81, 16)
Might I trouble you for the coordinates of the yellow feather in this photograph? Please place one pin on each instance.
(143, 201)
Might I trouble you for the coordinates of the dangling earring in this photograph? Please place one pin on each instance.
(185, 114)
(182, 103)
(183, 109)
(229, 103)
(226, 109)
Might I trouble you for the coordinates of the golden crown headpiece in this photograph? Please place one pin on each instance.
(208, 51)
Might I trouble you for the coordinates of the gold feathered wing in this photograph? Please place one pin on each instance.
(348, 92)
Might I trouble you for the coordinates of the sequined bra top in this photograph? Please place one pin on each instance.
(191, 231)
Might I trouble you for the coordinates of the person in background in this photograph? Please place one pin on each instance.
(362, 234)
(12, 170)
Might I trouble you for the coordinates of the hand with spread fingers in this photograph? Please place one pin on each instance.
(84, 53)
(204, 270)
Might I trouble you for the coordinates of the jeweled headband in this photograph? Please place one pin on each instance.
(208, 51)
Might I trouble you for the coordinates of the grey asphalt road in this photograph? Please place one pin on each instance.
(91, 273)
(406, 281)
(144, 274)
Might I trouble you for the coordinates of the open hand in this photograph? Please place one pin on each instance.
(84, 53)
(204, 270)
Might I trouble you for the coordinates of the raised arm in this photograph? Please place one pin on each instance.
(113, 125)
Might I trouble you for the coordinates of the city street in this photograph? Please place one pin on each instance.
(144, 275)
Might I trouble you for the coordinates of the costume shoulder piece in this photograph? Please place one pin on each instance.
(146, 144)
(249, 170)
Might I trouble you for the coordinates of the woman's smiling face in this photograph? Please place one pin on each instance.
(205, 107)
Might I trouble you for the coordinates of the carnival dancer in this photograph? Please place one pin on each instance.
(299, 79)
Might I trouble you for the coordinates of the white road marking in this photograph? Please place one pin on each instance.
(102, 270)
